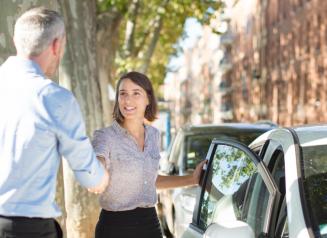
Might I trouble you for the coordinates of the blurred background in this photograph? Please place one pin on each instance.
(211, 61)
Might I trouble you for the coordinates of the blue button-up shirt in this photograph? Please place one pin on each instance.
(39, 122)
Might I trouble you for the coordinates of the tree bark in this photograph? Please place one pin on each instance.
(107, 45)
(79, 73)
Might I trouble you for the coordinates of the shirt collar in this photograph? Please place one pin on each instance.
(26, 65)
(118, 127)
(122, 130)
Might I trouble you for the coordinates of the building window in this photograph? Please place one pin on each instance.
(319, 30)
(282, 96)
(307, 47)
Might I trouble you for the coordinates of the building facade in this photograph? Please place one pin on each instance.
(192, 91)
(270, 64)
(278, 60)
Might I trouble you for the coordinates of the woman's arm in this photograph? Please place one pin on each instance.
(167, 182)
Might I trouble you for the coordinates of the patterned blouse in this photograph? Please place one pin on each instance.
(132, 172)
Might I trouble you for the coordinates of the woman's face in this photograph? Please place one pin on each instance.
(132, 100)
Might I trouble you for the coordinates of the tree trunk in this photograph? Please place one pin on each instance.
(10, 11)
(107, 45)
(78, 73)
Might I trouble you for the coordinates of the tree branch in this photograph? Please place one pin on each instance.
(154, 40)
(130, 28)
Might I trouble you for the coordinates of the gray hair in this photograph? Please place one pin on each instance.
(36, 29)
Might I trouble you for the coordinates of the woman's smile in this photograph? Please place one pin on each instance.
(129, 109)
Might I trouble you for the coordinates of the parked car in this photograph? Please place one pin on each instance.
(191, 144)
(276, 187)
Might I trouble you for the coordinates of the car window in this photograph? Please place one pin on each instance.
(176, 148)
(282, 222)
(285, 232)
(278, 173)
(315, 186)
(255, 206)
(196, 146)
(276, 166)
(232, 177)
(227, 177)
(196, 149)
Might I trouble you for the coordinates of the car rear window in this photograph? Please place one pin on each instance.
(315, 186)
(197, 145)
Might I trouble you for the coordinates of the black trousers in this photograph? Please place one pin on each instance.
(24, 227)
(140, 223)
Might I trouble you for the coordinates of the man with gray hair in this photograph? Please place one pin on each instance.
(40, 122)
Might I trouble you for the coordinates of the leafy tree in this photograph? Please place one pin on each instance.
(150, 30)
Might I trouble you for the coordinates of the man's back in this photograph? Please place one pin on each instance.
(40, 122)
(28, 146)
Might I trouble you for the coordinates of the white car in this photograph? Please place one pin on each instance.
(175, 206)
(276, 187)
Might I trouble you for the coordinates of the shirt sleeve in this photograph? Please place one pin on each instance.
(100, 144)
(73, 143)
(157, 137)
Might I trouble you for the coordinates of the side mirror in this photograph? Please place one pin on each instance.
(230, 229)
(171, 169)
(166, 167)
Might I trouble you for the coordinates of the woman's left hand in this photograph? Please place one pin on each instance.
(198, 172)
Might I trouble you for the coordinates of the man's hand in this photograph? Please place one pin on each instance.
(100, 188)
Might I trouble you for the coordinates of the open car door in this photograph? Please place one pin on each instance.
(237, 196)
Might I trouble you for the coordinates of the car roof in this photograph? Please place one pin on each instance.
(308, 135)
(213, 128)
(312, 134)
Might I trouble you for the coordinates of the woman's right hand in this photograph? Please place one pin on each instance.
(198, 172)
(100, 188)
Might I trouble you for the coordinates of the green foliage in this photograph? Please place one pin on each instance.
(173, 14)
(232, 166)
(107, 5)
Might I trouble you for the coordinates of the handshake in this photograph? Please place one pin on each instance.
(100, 188)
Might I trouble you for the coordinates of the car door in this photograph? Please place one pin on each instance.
(233, 172)
(194, 150)
(282, 156)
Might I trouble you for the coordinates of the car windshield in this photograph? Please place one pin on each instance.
(315, 186)
(176, 148)
(197, 145)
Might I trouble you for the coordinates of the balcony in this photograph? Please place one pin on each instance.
(226, 39)
(226, 106)
(226, 111)
(225, 64)
(227, 115)
(224, 88)
(261, 110)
